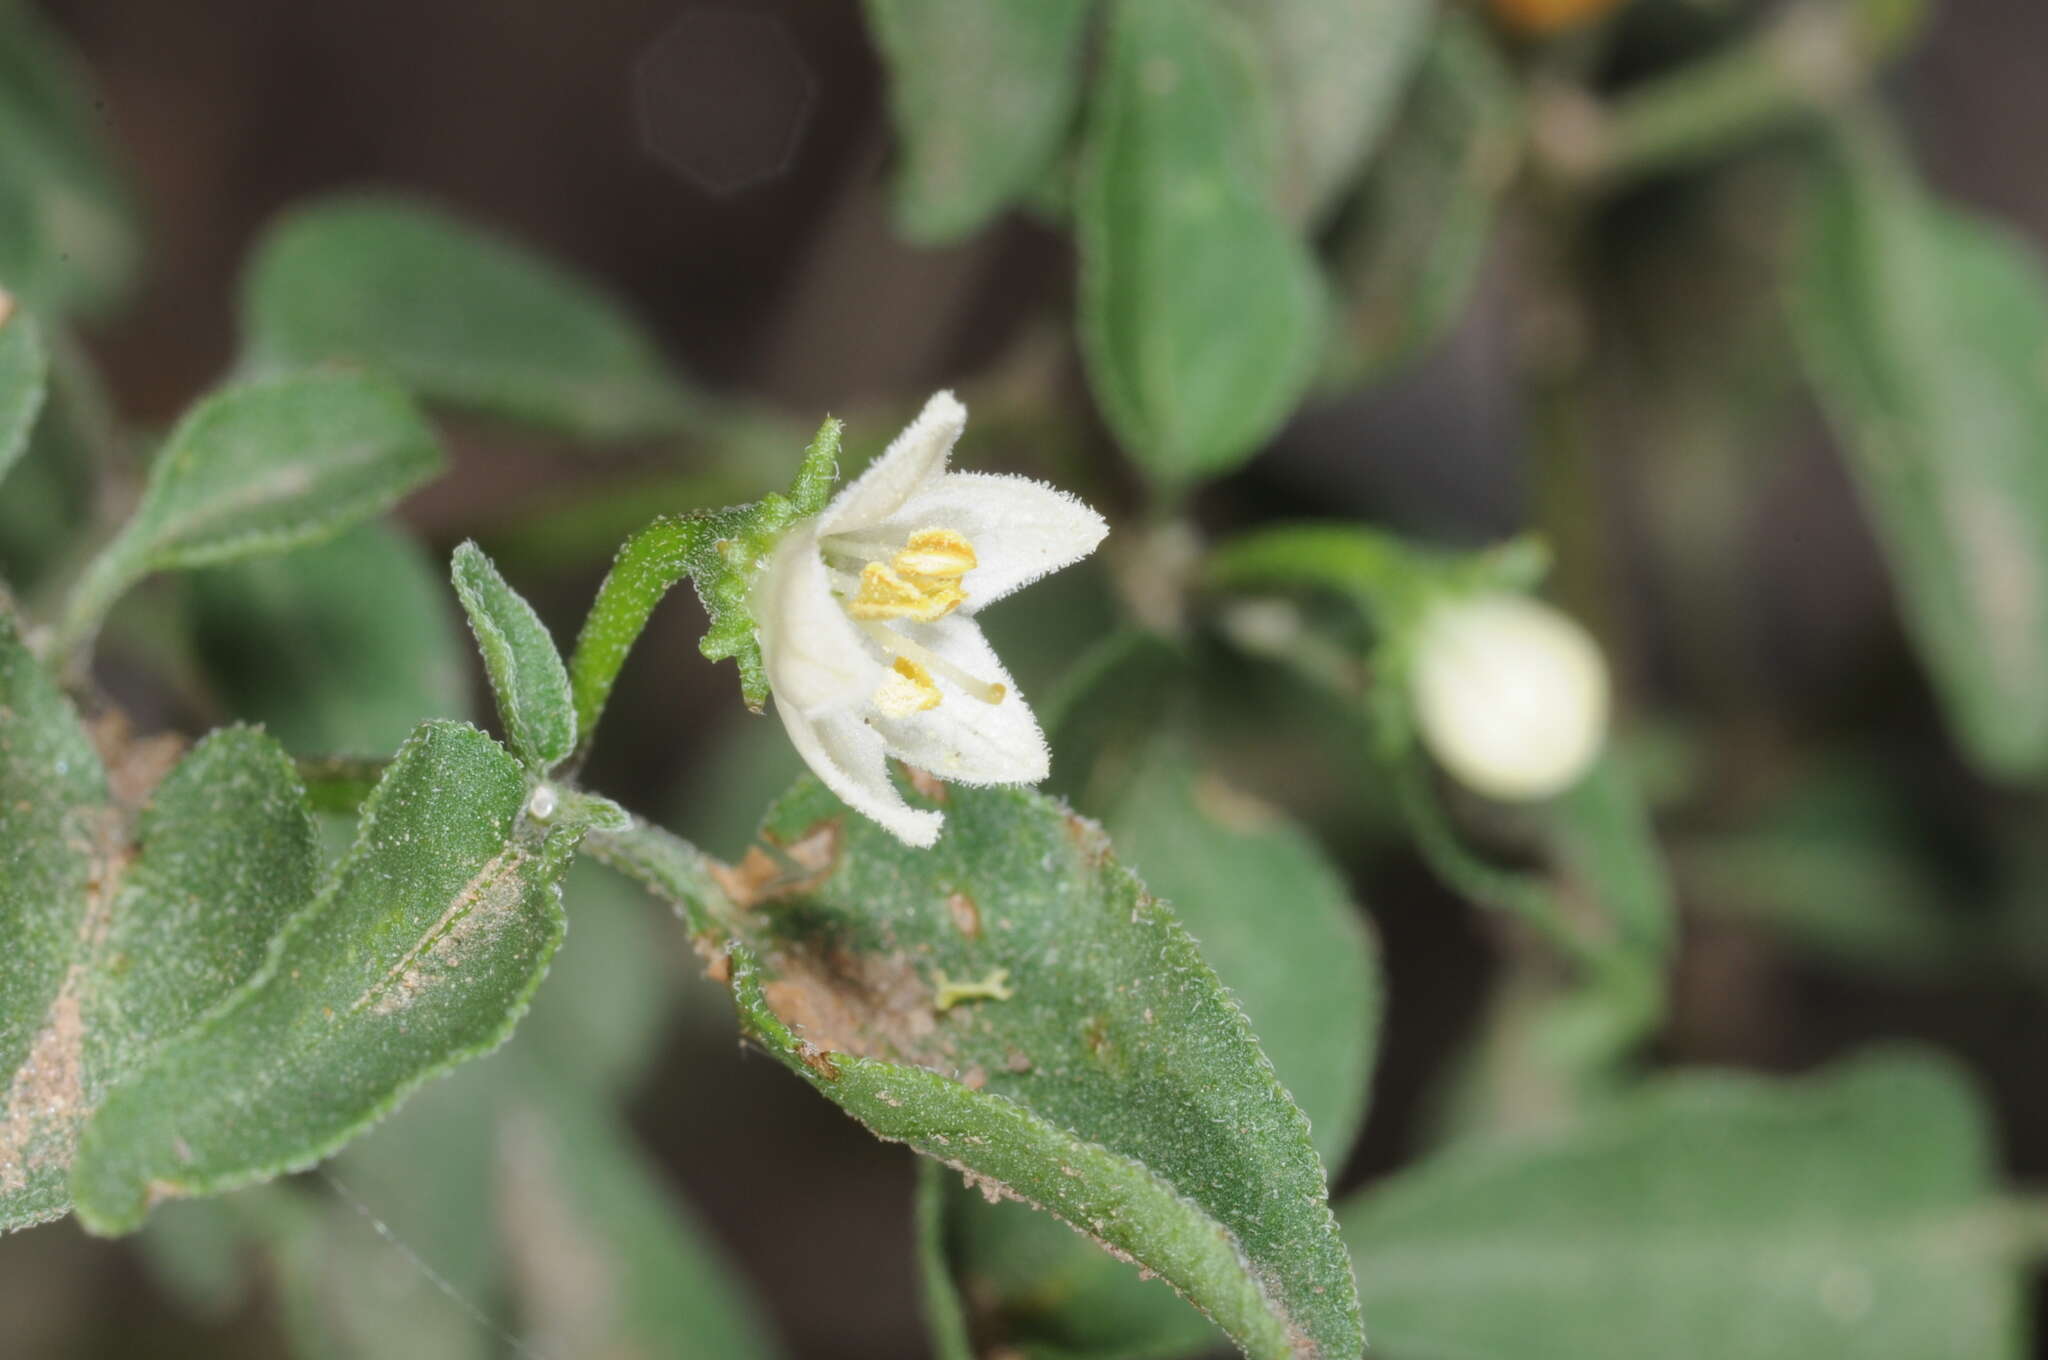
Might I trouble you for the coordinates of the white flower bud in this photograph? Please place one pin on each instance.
(1511, 695)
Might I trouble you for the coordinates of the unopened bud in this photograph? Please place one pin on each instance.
(1511, 695)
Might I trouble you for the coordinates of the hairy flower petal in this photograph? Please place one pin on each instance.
(849, 757)
(913, 458)
(1021, 529)
(965, 739)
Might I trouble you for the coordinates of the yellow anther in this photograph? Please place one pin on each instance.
(907, 689)
(994, 987)
(940, 554)
(886, 593)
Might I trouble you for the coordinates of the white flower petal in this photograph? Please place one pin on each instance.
(1021, 529)
(964, 739)
(914, 457)
(848, 756)
(817, 659)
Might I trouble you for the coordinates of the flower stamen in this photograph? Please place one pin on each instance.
(920, 582)
(886, 593)
(907, 689)
(902, 648)
(939, 553)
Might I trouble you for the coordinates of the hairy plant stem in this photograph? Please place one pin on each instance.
(670, 868)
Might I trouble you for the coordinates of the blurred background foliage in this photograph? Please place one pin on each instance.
(1738, 306)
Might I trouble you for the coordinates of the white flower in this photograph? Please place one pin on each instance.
(865, 616)
(1511, 695)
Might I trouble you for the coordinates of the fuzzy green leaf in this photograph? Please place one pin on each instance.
(525, 670)
(224, 853)
(53, 857)
(24, 381)
(1926, 333)
(342, 647)
(473, 1175)
(1013, 1003)
(1275, 921)
(1337, 69)
(720, 551)
(421, 949)
(981, 96)
(1201, 309)
(263, 468)
(459, 316)
(1849, 1213)
(1412, 243)
(68, 236)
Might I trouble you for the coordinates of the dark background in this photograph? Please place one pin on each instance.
(722, 166)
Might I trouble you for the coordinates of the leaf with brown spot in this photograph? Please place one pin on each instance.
(52, 793)
(140, 939)
(1118, 1086)
(419, 950)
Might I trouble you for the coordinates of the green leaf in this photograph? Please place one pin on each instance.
(68, 236)
(981, 96)
(192, 1251)
(420, 950)
(719, 550)
(225, 852)
(424, 1178)
(54, 859)
(1201, 310)
(1336, 69)
(467, 1188)
(1276, 922)
(1412, 242)
(526, 672)
(1849, 1213)
(459, 316)
(24, 381)
(342, 647)
(1839, 867)
(1926, 333)
(258, 469)
(578, 1197)
(1013, 1003)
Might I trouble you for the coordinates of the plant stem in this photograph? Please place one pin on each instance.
(648, 565)
(669, 867)
(1815, 56)
(105, 579)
